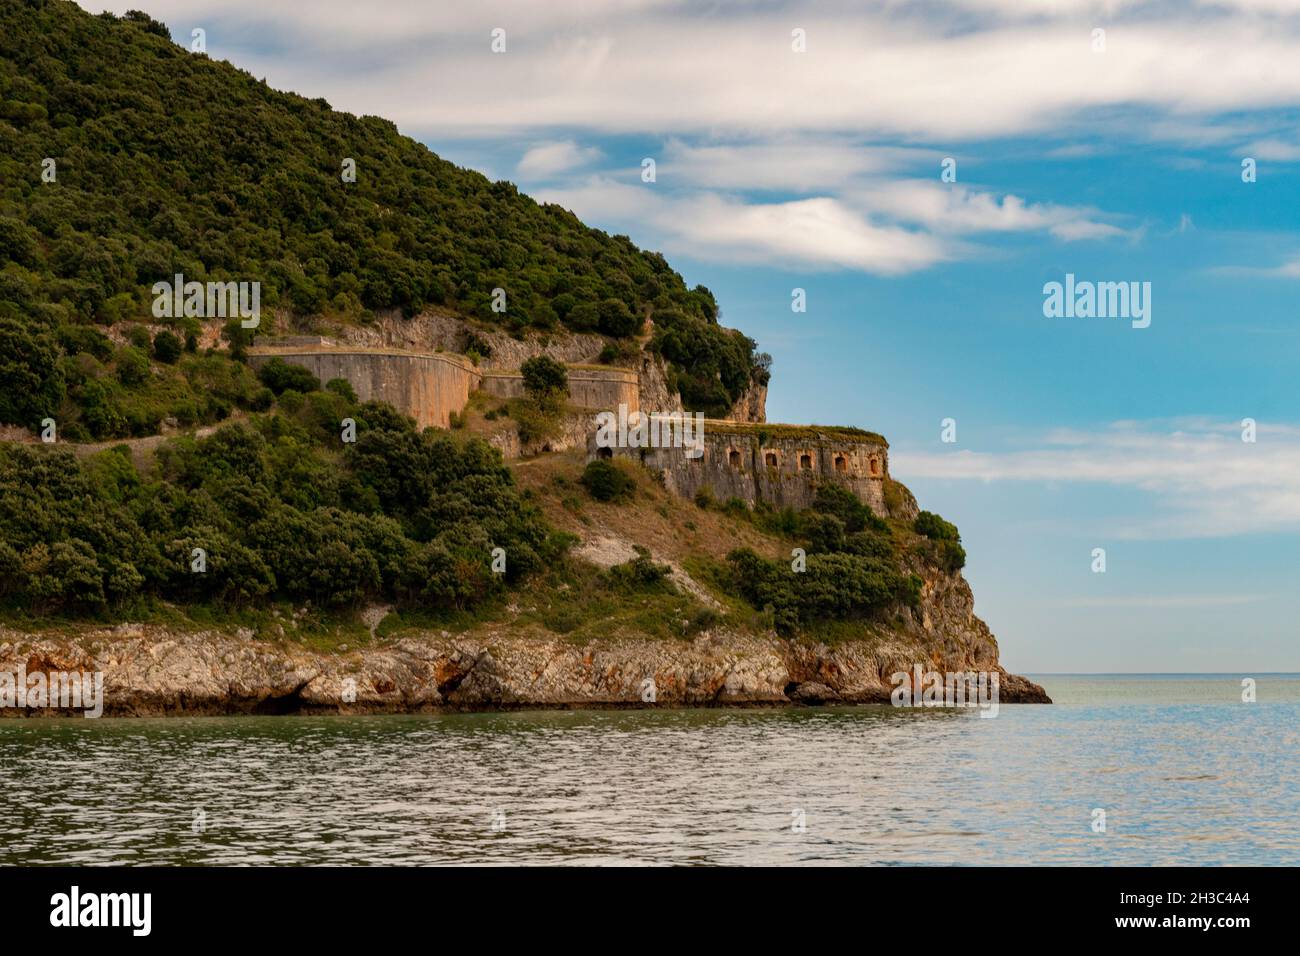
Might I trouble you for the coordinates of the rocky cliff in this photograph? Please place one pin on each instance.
(151, 671)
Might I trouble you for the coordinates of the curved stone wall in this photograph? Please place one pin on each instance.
(426, 386)
(598, 389)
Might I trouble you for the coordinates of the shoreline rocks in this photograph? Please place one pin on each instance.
(149, 671)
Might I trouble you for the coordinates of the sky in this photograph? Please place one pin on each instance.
(803, 146)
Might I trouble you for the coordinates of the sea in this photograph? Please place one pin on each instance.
(1137, 769)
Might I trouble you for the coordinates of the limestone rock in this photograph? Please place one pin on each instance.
(151, 671)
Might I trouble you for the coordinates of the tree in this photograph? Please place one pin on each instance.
(617, 319)
(64, 574)
(167, 347)
(279, 376)
(132, 366)
(545, 380)
(31, 383)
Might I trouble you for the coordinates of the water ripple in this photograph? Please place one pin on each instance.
(1189, 783)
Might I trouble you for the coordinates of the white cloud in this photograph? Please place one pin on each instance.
(820, 232)
(809, 164)
(933, 72)
(1290, 269)
(1272, 150)
(1205, 481)
(886, 228)
(956, 208)
(1074, 151)
(546, 159)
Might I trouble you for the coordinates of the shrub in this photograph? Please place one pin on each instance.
(833, 586)
(704, 618)
(930, 525)
(946, 549)
(640, 573)
(837, 500)
(167, 347)
(605, 481)
(616, 319)
(132, 366)
(279, 376)
(736, 507)
(825, 533)
(82, 339)
(535, 424)
(545, 380)
(343, 388)
(138, 336)
(238, 338)
(950, 555)
(608, 355)
(475, 345)
(261, 400)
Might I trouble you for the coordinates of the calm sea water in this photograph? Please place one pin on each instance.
(1185, 771)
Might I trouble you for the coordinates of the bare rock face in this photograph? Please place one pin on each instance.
(442, 331)
(652, 378)
(149, 671)
(751, 406)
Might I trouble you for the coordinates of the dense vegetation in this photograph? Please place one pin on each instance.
(277, 507)
(945, 541)
(166, 162)
(851, 569)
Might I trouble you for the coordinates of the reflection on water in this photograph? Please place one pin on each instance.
(1185, 772)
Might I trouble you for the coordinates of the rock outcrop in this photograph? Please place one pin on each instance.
(751, 406)
(150, 671)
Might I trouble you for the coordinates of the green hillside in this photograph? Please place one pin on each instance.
(167, 162)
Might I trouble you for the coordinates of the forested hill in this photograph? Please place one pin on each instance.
(167, 162)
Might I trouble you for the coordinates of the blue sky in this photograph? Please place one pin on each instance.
(820, 170)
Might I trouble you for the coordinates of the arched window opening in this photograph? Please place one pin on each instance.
(771, 459)
(875, 466)
(805, 462)
(733, 458)
(841, 465)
